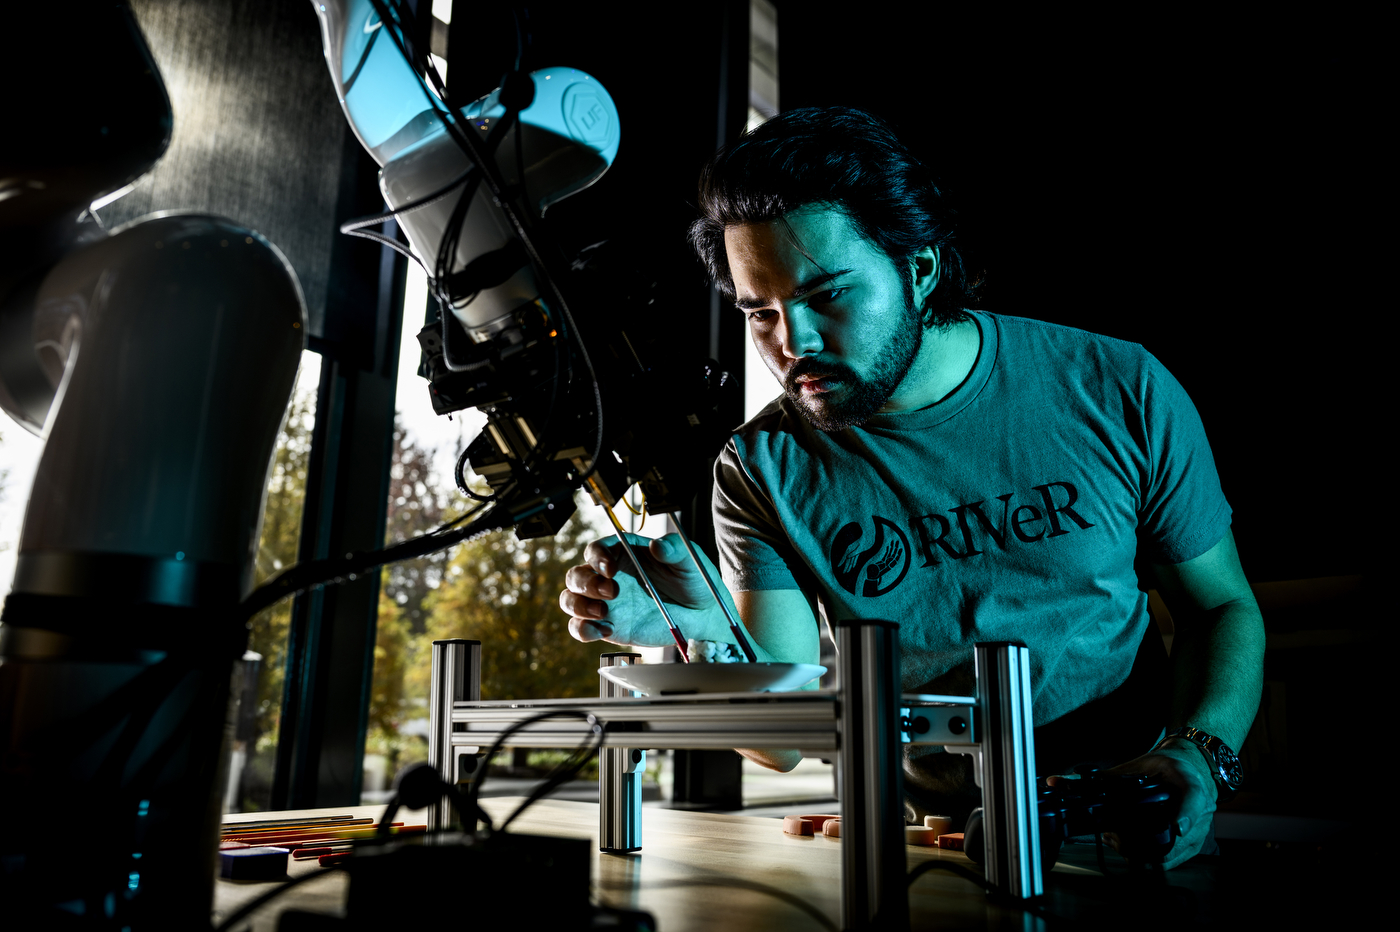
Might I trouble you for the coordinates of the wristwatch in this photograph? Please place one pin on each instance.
(1224, 765)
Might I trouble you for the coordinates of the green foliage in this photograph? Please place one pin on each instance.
(277, 549)
(395, 654)
(499, 590)
(419, 501)
(505, 593)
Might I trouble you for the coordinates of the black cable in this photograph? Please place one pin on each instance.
(447, 254)
(520, 169)
(424, 201)
(447, 248)
(262, 900)
(475, 793)
(359, 66)
(393, 244)
(303, 576)
(1026, 905)
(447, 526)
(520, 36)
(556, 778)
(460, 478)
(472, 147)
(442, 273)
(963, 872)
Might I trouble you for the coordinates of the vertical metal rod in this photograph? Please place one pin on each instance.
(619, 776)
(641, 573)
(734, 625)
(874, 894)
(456, 677)
(1010, 811)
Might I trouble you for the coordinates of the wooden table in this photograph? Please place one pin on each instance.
(706, 849)
(680, 877)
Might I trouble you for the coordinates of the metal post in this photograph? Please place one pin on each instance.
(873, 888)
(619, 776)
(456, 678)
(1010, 822)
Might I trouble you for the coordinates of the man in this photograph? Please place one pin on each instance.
(974, 477)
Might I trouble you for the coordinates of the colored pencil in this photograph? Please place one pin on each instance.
(306, 854)
(302, 838)
(298, 827)
(272, 823)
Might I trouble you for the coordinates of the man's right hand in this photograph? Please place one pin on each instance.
(606, 601)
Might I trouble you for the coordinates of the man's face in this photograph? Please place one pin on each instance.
(840, 332)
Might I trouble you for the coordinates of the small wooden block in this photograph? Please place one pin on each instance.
(818, 820)
(796, 825)
(831, 828)
(920, 835)
(952, 841)
(940, 824)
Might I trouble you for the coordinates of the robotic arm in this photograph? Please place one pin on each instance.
(470, 186)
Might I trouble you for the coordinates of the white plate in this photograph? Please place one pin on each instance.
(652, 679)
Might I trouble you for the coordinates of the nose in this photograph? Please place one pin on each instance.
(800, 336)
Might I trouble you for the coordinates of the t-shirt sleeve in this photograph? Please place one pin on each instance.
(1183, 511)
(754, 552)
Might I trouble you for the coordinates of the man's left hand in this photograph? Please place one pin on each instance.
(1182, 765)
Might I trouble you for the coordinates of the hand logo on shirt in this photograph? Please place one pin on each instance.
(886, 559)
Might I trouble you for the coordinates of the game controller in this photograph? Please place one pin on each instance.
(1136, 808)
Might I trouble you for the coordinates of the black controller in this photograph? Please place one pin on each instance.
(1138, 809)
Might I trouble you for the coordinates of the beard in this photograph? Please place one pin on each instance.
(858, 397)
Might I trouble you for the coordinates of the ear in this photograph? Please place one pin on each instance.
(923, 266)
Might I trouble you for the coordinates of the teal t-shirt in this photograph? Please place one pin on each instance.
(1011, 510)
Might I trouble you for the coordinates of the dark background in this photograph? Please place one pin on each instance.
(1210, 190)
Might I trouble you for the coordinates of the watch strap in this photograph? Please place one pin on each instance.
(1224, 765)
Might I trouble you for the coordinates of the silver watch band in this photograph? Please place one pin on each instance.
(1224, 765)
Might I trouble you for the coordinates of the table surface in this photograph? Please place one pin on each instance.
(687, 858)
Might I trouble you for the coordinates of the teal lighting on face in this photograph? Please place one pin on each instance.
(143, 807)
(133, 881)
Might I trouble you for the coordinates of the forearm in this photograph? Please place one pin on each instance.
(710, 623)
(779, 759)
(782, 620)
(1218, 670)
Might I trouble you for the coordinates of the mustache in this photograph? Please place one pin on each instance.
(815, 365)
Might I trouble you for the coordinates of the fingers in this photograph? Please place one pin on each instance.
(606, 556)
(579, 607)
(588, 582)
(582, 629)
(669, 549)
(600, 557)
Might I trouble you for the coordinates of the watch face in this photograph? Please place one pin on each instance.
(1229, 765)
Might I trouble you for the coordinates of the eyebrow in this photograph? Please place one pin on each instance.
(804, 287)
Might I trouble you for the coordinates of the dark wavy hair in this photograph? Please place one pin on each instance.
(845, 158)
